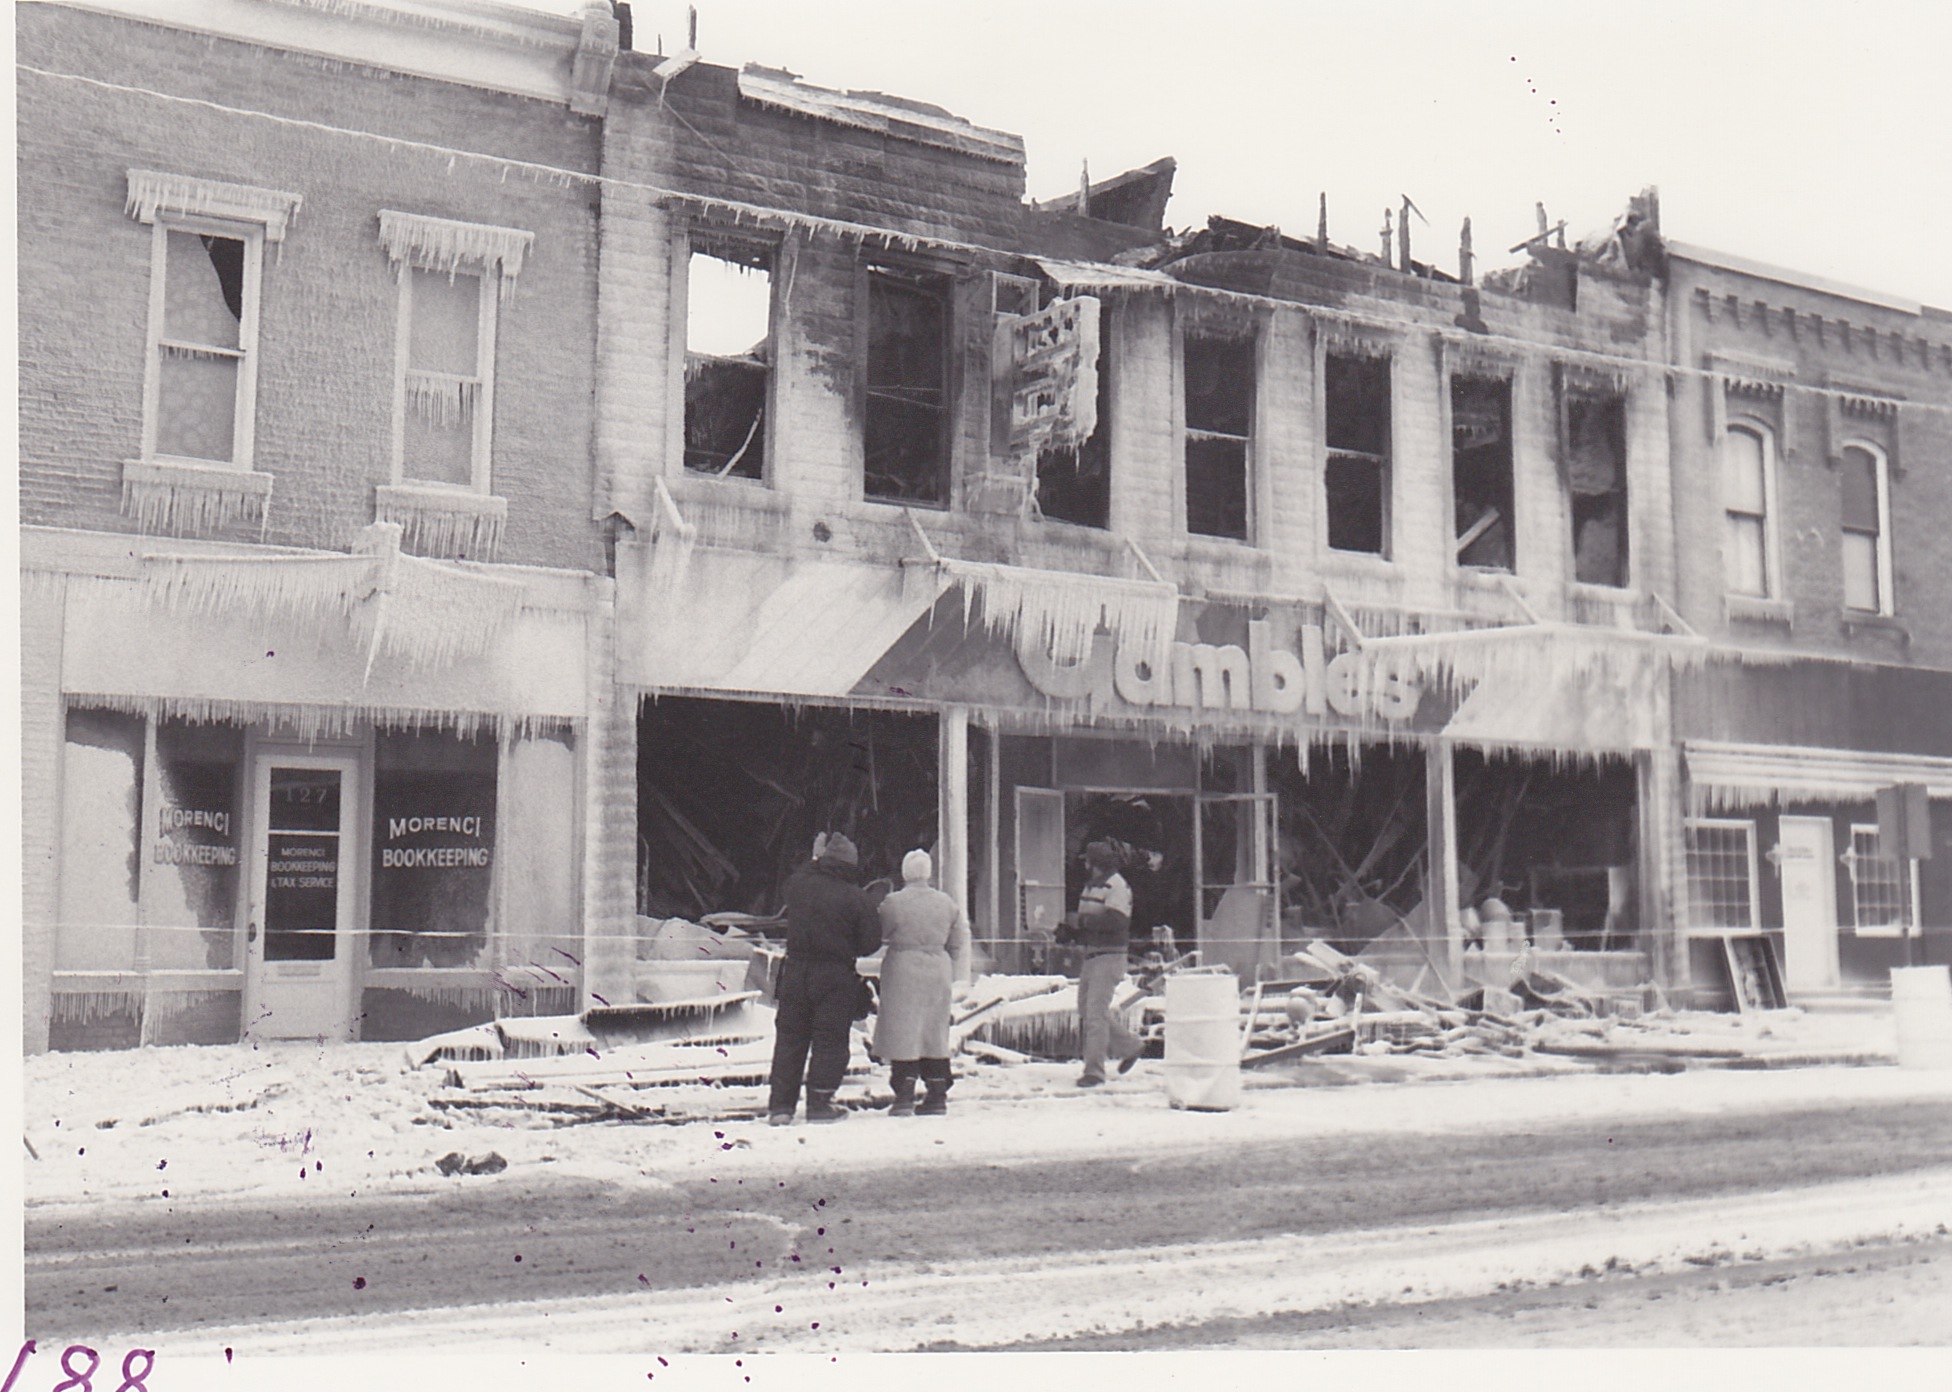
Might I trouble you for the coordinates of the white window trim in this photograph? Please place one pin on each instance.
(1772, 577)
(244, 418)
(685, 241)
(1907, 870)
(480, 471)
(1886, 599)
(1747, 828)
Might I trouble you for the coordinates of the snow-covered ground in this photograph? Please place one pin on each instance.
(200, 1122)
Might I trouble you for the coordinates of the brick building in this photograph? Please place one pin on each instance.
(313, 626)
(1811, 427)
(996, 527)
(508, 491)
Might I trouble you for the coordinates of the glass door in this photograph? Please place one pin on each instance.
(303, 897)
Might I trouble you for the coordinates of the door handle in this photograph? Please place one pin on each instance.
(251, 933)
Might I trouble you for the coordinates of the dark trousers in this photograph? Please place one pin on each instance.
(815, 1012)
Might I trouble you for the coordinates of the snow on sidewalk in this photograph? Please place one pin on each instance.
(181, 1124)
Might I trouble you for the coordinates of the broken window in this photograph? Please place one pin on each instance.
(905, 440)
(450, 346)
(1481, 480)
(1596, 478)
(1746, 562)
(1075, 485)
(203, 340)
(1219, 376)
(1355, 476)
(728, 357)
(1866, 542)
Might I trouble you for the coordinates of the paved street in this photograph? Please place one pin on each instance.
(772, 1256)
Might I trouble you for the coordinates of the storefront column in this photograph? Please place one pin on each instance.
(609, 822)
(952, 778)
(42, 615)
(1663, 863)
(1440, 818)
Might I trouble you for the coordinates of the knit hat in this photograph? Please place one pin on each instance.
(916, 867)
(839, 851)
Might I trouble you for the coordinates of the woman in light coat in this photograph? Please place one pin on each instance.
(926, 938)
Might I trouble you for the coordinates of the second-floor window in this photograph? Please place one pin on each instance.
(453, 277)
(905, 425)
(1481, 472)
(203, 335)
(1075, 485)
(1747, 487)
(728, 356)
(1219, 378)
(1866, 540)
(1596, 480)
(1355, 475)
(447, 377)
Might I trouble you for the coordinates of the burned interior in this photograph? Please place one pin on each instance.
(906, 414)
(1596, 483)
(1219, 404)
(1356, 477)
(1481, 471)
(1074, 484)
(732, 793)
(728, 356)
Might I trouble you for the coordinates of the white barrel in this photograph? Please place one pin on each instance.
(1203, 1040)
(1921, 998)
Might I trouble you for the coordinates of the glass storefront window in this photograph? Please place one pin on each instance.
(433, 849)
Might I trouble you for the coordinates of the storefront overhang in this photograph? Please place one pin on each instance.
(1723, 776)
(1054, 651)
(325, 642)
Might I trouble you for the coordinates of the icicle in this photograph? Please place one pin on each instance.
(313, 590)
(444, 522)
(152, 192)
(192, 499)
(448, 246)
(443, 400)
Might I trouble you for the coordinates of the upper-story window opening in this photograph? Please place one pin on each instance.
(1356, 473)
(1596, 479)
(447, 377)
(728, 356)
(905, 426)
(1748, 491)
(1866, 541)
(1481, 471)
(1219, 383)
(1075, 485)
(205, 331)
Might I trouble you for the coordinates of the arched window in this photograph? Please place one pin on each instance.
(1866, 543)
(1748, 494)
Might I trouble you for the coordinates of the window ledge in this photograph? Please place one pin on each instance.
(181, 496)
(456, 523)
(1753, 609)
(1885, 625)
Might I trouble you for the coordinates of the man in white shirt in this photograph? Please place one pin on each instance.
(1103, 935)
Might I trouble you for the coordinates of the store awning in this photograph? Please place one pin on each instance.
(1724, 776)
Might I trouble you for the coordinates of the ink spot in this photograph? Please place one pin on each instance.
(359, 1283)
(227, 1355)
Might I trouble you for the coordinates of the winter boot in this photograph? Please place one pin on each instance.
(936, 1075)
(779, 1118)
(901, 1077)
(820, 1106)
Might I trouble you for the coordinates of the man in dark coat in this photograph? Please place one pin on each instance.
(829, 923)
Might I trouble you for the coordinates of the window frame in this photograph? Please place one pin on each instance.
(1771, 534)
(1886, 598)
(1383, 462)
(698, 239)
(487, 315)
(1906, 885)
(1571, 395)
(1747, 827)
(940, 283)
(1253, 508)
(244, 412)
(1505, 377)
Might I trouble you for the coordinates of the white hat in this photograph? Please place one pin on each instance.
(916, 867)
